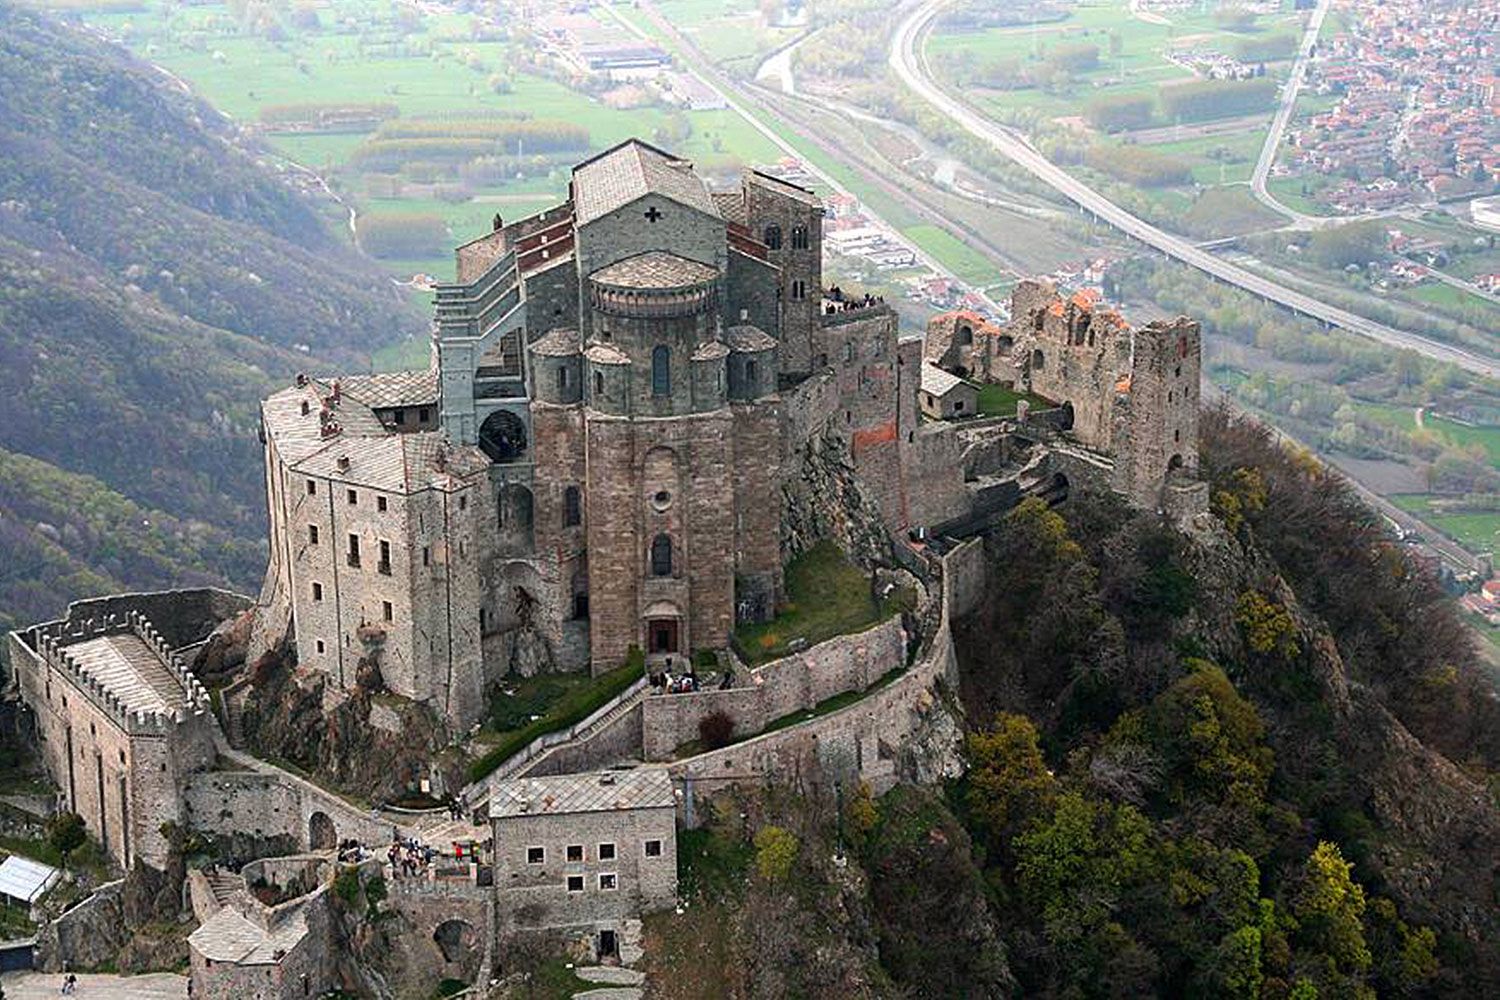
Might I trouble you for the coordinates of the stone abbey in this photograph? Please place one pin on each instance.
(642, 404)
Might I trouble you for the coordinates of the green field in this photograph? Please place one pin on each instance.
(1477, 531)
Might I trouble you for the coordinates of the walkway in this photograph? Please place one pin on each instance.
(1284, 113)
(40, 985)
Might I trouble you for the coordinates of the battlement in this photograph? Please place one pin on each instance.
(58, 644)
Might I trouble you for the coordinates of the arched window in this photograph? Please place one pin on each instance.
(572, 507)
(773, 237)
(799, 237)
(562, 381)
(661, 556)
(1038, 360)
(799, 290)
(750, 377)
(661, 370)
(598, 385)
(965, 335)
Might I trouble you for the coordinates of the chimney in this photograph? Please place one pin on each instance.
(343, 463)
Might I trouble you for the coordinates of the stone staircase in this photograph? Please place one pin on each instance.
(592, 729)
(613, 982)
(224, 885)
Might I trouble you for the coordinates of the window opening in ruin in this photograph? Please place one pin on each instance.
(653, 848)
(312, 487)
(536, 855)
(387, 612)
(750, 377)
(773, 237)
(965, 335)
(598, 385)
(385, 558)
(353, 497)
(799, 237)
(661, 370)
(799, 290)
(320, 646)
(1038, 360)
(581, 604)
(572, 507)
(661, 556)
(426, 555)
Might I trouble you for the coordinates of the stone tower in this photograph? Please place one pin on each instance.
(1156, 410)
(788, 220)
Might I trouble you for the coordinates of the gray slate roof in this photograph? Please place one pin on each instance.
(131, 671)
(605, 791)
(632, 170)
(229, 936)
(557, 344)
(938, 382)
(746, 339)
(383, 390)
(655, 269)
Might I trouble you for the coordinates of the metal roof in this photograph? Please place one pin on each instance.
(632, 170)
(25, 879)
(602, 791)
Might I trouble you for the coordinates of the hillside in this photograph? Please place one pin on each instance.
(1254, 760)
(155, 281)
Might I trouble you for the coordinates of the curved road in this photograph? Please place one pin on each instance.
(908, 63)
(1284, 114)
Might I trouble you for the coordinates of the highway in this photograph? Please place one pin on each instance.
(909, 64)
(1283, 115)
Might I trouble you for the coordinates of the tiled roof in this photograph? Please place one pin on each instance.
(655, 269)
(632, 170)
(731, 205)
(230, 936)
(386, 389)
(938, 382)
(640, 788)
(713, 350)
(606, 354)
(557, 344)
(802, 194)
(746, 338)
(131, 671)
(396, 463)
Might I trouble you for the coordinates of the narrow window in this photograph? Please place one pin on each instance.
(387, 612)
(317, 591)
(750, 377)
(799, 237)
(536, 855)
(799, 290)
(581, 604)
(426, 555)
(572, 507)
(312, 487)
(312, 534)
(661, 556)
(598, 385)
(321, 647)
(385, 558)
(400, 417)
(353, 498)
(353, 558)
(773, 237)
(562, 381)
(575, 852)
(653, 848)
(463, 502)
(380, 504)
(661, 370)
(422, 414)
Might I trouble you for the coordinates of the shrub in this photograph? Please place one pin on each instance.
(775, 851)
(1269, 628)
(1117, 112)
(1217, 98)
(716, 729)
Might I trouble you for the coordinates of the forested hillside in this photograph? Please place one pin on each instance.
(155, 280)
(1255, 761)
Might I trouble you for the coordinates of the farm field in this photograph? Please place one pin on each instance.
(1063, 73)
(433, 67)
(1477, 531)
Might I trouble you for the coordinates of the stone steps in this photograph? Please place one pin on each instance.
(589, 732)
(611, 993)
(611, 975)
(224, 885)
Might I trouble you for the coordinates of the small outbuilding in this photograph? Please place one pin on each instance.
(945, 396)
(24, 881)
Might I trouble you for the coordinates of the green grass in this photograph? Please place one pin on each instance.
(826, 595)
(995, 401)
(711, 865)
(1477, 531)
(953, 253)
(572, 706)
(532, 697)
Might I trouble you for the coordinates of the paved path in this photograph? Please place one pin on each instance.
(1272, 145)
(40, 985)
(909, 65)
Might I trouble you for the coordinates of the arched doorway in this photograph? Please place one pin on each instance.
(502, 436)
(456, 940)
(322, 835)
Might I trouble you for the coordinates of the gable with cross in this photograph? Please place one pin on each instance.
(653, 214)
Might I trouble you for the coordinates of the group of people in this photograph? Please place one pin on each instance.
(409, 856)
(352, 851)
(664, 681)
(839, 302)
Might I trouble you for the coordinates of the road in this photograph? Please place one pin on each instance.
(909, 65)
(1283, 115)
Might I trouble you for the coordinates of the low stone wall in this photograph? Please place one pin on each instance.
(902, 732)
(790, 684)
(267, 805)
(86, 935)
(620, 740)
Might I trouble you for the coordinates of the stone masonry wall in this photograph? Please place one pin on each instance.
(777, 689)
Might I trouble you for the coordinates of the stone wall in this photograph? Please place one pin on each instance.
(793, 683)
(266, 805)
(903, 732)
(620, 740)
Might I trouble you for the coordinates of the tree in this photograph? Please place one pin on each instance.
(775, 851)
(66, 834)
(716, 729)
(1329, 907)
(1008, 779)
